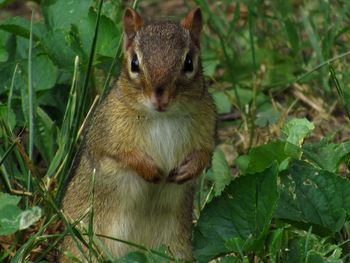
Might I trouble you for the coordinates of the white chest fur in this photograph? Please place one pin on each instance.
(168, 140)
(140, 211)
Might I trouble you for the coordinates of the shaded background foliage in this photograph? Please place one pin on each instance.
(278, 188)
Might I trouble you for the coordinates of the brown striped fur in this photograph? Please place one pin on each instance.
(145, 160)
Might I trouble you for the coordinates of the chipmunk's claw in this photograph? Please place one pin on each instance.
(180, 175)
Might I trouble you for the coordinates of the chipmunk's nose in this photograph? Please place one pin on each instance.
(160, 98)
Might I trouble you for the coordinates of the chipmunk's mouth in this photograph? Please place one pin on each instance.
(153, 107)
(160, 98)
(160, 108)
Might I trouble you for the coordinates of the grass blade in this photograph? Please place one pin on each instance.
(343, 96)
(81, 108)
(31, 101)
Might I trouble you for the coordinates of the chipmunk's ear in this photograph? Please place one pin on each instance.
(132, 23)
(193, 22)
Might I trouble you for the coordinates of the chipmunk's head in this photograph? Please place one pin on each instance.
(162, 61)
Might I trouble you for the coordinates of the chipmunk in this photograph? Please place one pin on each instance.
(147, 141)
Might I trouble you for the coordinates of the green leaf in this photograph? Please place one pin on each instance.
(221, 175)
(12, 218)
(132, 258)
(46, 134)
(242, 163)
(267, 117)
(209, 67)
(8, 219)
(4, 55)
(243, 212)
(327, 155)
(311, 195)
(222, 102)
(254, 162)
(8, 116)
(6, 199)
(62, 47)
(63, 13)
(44, 73)
(296, 130)
(314, 257)
(310, 248)
(21, 27)
(108, 34)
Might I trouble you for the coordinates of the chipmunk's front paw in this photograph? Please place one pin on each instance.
(155, 175)
(180, 175)
(150, 171)
(190, 168)
(144, 165)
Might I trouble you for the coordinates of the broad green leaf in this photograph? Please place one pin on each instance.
(62, 47)
(209, 66)
(22, 82)
(315, 196)
(246, 97)
(222, 102)
(108, 34)
(45, 136)
(21, 27)
(254, 162)
(8, 116)
(44, 73)
(12, 218)
(221, 175)
(242, 163)
(243, 212)
(133, 257)
(267, 117)
(9, 212)
(4, 55)
(310, 248)
(327, 155)
(63, 13)
(296, 130)
(315, 257)
(7, 199)
(8, 219)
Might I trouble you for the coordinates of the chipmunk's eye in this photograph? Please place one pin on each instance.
(135, 64)
(188, 64)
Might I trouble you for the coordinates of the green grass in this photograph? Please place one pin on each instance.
(278, 189)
